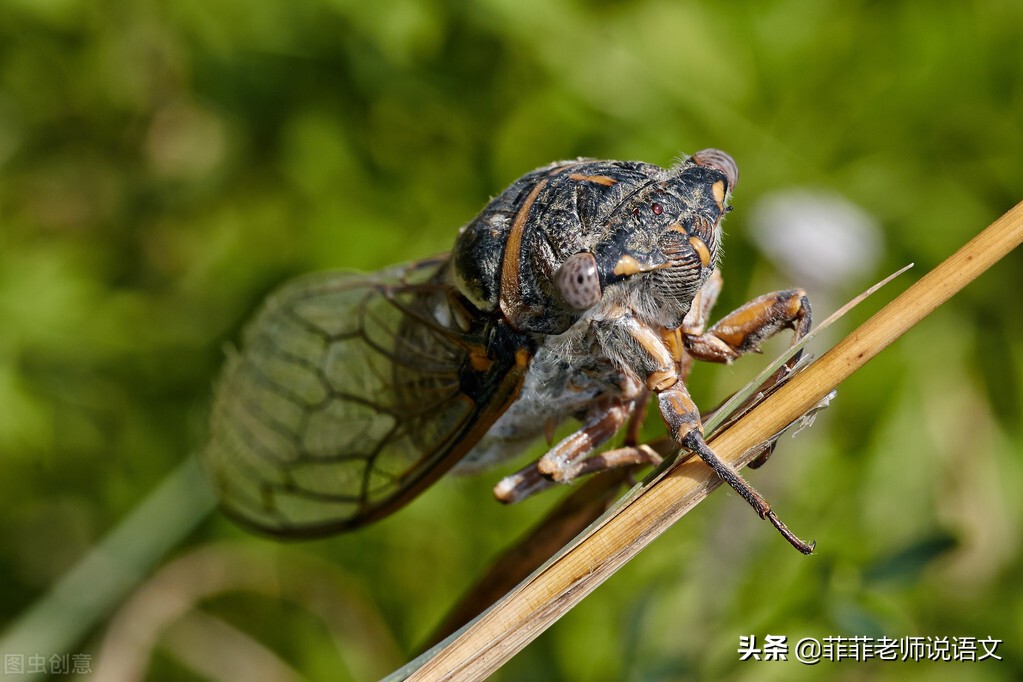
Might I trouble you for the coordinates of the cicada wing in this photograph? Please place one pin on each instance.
(346, 400)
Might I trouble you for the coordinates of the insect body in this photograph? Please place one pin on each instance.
(579, 292)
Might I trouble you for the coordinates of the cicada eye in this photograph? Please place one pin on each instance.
(578, 281)
(719, 160)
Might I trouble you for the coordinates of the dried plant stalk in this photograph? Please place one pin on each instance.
(534, 605)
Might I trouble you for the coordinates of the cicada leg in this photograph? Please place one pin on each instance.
(683, 421)
(743, 330)
(625, 456)
(682, 417)
(567, 460)
(636, 419)
(560, 463)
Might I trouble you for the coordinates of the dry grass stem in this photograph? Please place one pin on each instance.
(537, 602)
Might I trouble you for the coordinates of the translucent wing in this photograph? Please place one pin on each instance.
(350, 395)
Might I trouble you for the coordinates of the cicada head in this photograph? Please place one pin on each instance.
(663, 244)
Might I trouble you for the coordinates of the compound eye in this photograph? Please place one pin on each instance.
(720, 161)
(578, 281)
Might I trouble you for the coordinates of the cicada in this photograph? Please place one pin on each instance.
(580, 292)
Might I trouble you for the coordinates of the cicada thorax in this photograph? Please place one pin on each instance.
(657, 226)
(506, 259)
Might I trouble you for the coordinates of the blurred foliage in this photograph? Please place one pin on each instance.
(163, 165)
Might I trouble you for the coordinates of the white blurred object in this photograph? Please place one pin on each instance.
(820, 238)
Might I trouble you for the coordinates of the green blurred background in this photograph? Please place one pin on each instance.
(163, 165)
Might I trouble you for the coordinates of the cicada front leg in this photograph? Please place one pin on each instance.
(683, 420)
(682, 417)
(743, 330)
